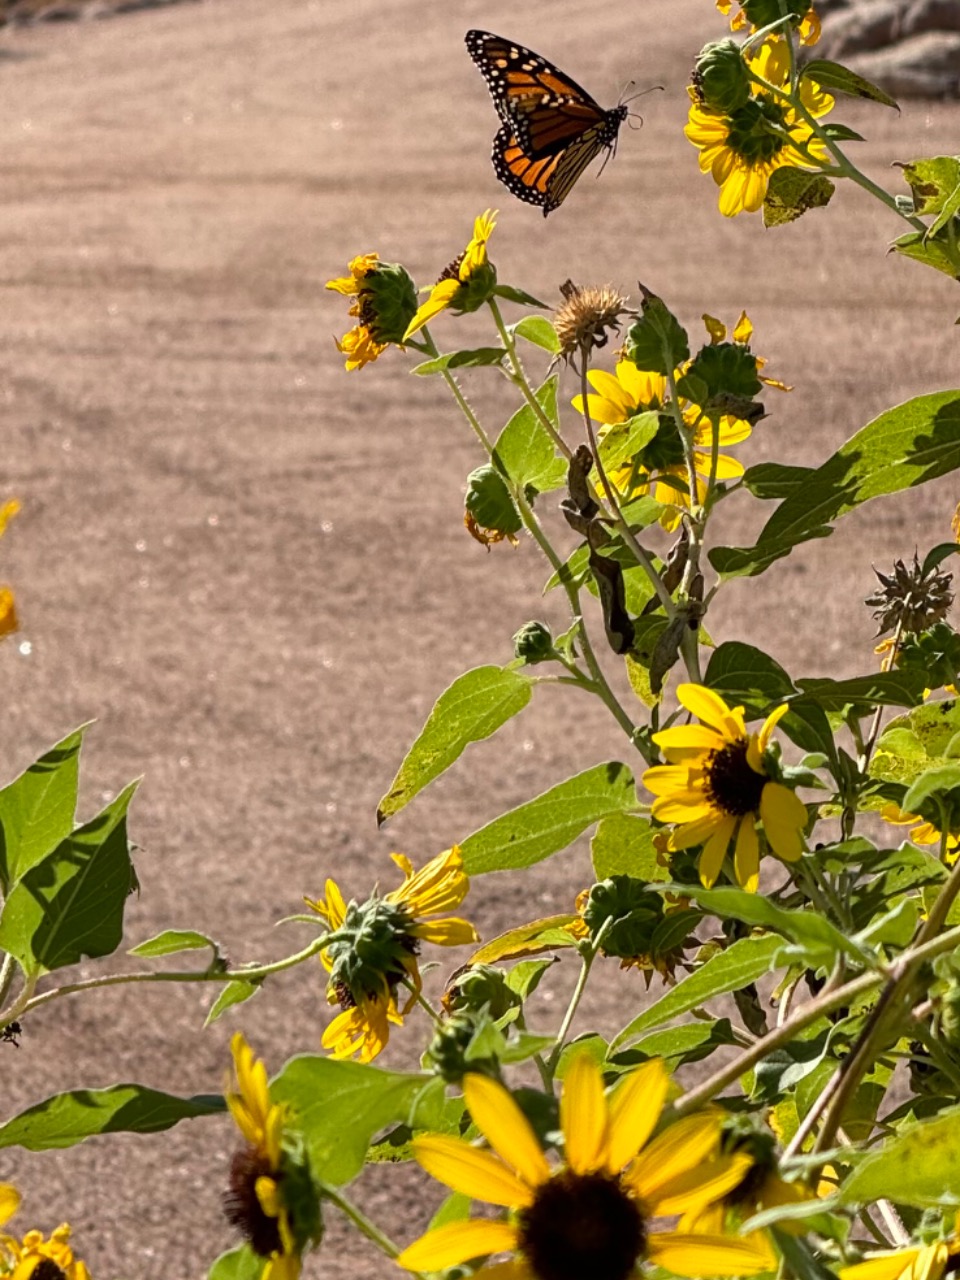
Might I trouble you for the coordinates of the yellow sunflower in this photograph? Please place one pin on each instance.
(53, 1259)
(715, 785)
(466, 282)
(742, 149)
(659, 469)
(385, 301)
(809, 28)
(365, 986)
(261, 1174)
(590, 1216)
(925, 833)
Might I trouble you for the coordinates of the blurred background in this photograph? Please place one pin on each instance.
(250, 567)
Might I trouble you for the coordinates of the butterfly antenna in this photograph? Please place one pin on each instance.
(633, 97)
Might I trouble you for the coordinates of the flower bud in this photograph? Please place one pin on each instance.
(490, 513)
(720, 77)
(533, 643)
(449, 1051)
(480, 986)
(388, 302)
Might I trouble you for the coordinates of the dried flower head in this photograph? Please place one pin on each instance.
(585, 315)
(912, 599)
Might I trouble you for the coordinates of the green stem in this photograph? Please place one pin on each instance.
(361, 1222)
(256, 973)
(568, 1017)
(519, 378)
(7, 970)
(821, 1005)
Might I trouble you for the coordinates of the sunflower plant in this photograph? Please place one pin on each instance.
(774, 853)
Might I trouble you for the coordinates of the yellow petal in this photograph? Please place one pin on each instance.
(887, 1266)
(583, 1115)
(690, 735)
(686, 807)
(673, 1153)
(441, 295)
(634, 1111)
(506, 1128)
(450, 932)
(784, 817)
(465, 1168)
(9, 1202)
(714, 852)
(457, 1242)
(9, 623)
(746, 856)
(692, 833)
(702, 1255)
(711, 708)
(437, 886)
(703, 1185)
(772, 720)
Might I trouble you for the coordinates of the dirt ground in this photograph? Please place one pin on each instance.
(250, 567)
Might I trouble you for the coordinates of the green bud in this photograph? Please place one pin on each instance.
(480, 986)
(630, 912)
(388, 302)
(371, 951)
(720, 76)
(449, 1051)
(477, 290)
(533, 643)
(728, 369)
(489, 504)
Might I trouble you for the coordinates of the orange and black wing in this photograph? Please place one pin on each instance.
(545, 180)
(545, 108)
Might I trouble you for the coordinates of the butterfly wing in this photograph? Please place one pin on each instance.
(545, 108)
(546, 180)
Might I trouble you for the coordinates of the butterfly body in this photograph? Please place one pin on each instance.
(551, 128)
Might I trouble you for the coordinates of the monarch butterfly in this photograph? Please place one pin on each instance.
(551, 128)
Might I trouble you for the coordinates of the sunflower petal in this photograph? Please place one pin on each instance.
(712, 710)
(9, 1201)
(746, 855)
(476, 1173)
(702, 1255)
(704, 1185)
(457, 1242)
(634, 1111)
(506, 1128)
(671, 1155)
(583, 1115)
(784, 817)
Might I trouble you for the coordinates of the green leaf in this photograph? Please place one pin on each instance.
(657, 343)
(235, 992)
(735, 967)
(461, 360)
(520, 296)
(341, 1106)
(623, 845)
(68, 1118)
(171, 941)
(691, 1042)
(238, 1264)
(837, 79)
(527, 940)
(37, 809)
(903, 448)
(792, 192)
(525, 450)
(933, 789)
(939, 251)
(820, 941)
(747, 677)
(552, 821)
(863, 693)
(934, 182)
(774, 480)
(915, 742)
(473, 708)
(623, 440)
(920, 1167)
(539, 331)
(842, 133)
(70, 905)
(800, 1258)
(936, 555)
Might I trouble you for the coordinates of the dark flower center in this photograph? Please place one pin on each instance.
(579, 1225)
(242, 1205)
(47, 1270)
(752, 130)
(731, 784)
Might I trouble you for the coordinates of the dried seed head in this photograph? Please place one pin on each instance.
(912, 598)
(585, 315)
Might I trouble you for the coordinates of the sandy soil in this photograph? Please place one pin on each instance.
(250, 567)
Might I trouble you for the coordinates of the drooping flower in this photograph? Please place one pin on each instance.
(374, 946)
(716, 787)
(33, 1255)
(270, 1197)
(587, 316)
(385, 301)
(742, 148)
(645, 930)
(912, 599)
(659, 468)
(809, 28)
(925, 833)
(592, 1214)
(466, 283)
